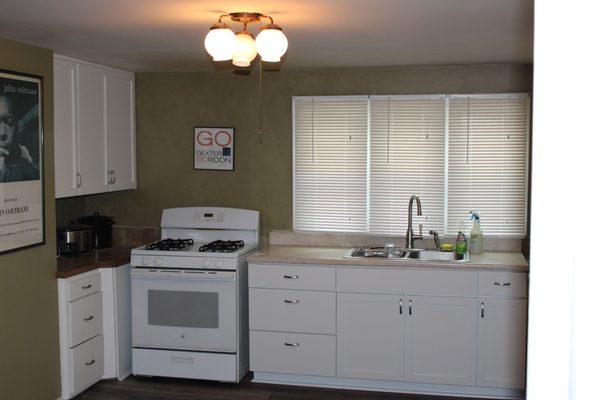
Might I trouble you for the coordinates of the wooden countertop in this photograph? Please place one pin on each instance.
(489, 260)
(111, 257)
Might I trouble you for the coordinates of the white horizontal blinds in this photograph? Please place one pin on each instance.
(488, 162)
(407, 157)
(330, 164)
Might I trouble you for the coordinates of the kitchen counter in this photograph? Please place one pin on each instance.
(111, 257)
(490, 260)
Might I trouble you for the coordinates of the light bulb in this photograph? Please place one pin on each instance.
(271, 43)
(220, 42)
(245, 49)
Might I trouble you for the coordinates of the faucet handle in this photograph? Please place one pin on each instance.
(420, 229)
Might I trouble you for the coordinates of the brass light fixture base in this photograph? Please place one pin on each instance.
(245, 17)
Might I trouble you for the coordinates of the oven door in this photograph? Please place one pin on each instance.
(184, 309)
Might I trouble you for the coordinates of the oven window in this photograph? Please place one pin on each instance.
(183, 309)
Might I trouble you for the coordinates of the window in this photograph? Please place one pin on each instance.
(357, 161)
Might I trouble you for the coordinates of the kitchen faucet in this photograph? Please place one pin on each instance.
(410, 236)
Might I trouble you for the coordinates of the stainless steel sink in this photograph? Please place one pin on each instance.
(406, 254)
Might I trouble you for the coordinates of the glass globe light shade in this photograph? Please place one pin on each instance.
(220, 42)
(271, 43)
(244, 50)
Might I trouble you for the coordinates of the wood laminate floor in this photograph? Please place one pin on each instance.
(134, 388)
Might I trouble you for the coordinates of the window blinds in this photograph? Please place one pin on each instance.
(407, 157)
(330, 164)
(357, 160)
(488, 162)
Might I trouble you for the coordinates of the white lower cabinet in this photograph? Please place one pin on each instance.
(95, 328)
(439, 331)
(370, 336)
(441, 338)
(502, 343)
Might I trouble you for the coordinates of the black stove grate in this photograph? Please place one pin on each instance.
(222, 246)
(170, 244)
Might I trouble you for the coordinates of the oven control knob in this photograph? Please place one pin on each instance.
(205, 264)
(145, 261)
(159, 261)
(219, 264)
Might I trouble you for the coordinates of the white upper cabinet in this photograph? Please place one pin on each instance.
(120, 136)
(65, 131)
(91, 84)
(95, 128)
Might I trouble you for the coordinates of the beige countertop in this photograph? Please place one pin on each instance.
(489, 260)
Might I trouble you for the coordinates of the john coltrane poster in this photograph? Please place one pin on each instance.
(21, 162)
(213, 148)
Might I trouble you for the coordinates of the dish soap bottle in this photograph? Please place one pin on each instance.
(476, 237)
(461, 240)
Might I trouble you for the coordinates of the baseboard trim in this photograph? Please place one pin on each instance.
(387, 386)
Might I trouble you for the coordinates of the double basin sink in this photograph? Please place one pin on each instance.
(394, 253)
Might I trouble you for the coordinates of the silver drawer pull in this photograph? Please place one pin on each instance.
(88, 318)
(291, 276)
(92, 361)
(482, 309)
(291, 344)
(291, 301)
(502, 283)
(89, 285)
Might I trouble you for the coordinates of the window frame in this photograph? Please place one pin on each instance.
(447, 97)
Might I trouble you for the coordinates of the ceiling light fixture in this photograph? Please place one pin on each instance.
(222, 44)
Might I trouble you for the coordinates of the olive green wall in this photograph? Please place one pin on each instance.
(29, 355)
(169, 105)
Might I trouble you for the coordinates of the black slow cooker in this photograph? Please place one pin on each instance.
(101, 229)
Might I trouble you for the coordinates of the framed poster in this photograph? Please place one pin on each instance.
(214, 148)
(21, 161)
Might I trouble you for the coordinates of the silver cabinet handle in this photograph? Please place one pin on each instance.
(89, 285)
(400, 307)
(88, 318)
(502, 283)
(114, 177)
(291, 301)
(291, 276)
(111, 177)
(291, 344)
(78, 180)
(482, 309)
(92, 361)
(410, 307)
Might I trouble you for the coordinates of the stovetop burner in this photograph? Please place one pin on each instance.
(170, 244)
(222, 246)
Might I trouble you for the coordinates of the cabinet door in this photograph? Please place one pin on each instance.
(502, 343)
(120, 116)
(370, 336)
(441, 335)
(91, 89)
(65, 134)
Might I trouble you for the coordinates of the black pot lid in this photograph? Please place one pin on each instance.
(73, 227)
(96, 218)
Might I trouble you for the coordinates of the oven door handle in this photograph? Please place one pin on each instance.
(199, 275)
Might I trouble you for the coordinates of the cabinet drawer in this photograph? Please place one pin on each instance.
(292, 353)
(292, 311)
(85, 318)
(83, 286)
(302, 277)
(407, 281)
(502, 284)
(87, 361)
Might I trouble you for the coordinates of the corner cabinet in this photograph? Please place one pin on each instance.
(416, 330)
(94, 128)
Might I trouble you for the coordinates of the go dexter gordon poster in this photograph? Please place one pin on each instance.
(21, 174)
(213, 148)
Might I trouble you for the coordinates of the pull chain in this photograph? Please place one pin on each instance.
(260, 103)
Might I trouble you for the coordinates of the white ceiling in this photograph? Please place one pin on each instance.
(167, 35)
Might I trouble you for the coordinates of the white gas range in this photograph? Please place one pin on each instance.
(190, 295)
